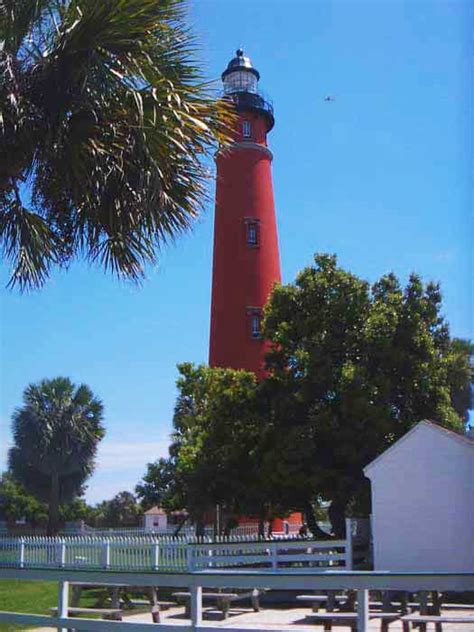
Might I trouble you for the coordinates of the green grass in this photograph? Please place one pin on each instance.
(34, 597)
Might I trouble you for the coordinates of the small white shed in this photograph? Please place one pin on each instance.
(155, 519)
(423, 502)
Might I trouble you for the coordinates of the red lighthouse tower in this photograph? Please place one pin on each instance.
(246, 260)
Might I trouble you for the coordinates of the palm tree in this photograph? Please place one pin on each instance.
(105, 128)
(56, 433)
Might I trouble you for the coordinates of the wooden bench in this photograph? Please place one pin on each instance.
(156, 607)
(222, 599)
(116, 590)
(350, 618)
(438, 620)
(107, 613)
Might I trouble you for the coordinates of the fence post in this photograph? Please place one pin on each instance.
(348, 546)
(63, 603)
(196, 605)
(274, 553)
(210, 553)
(106, 554)
(156, 556)
(362, 610)
(61, 553)
(190, 557)
(22, 553)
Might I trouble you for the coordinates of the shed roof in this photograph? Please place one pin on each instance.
(155, 511)
(425, 423)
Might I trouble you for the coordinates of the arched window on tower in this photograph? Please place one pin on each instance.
(252, 232)
(246, 129)
(255, 322)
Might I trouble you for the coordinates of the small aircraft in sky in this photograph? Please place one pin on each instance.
(329, 98)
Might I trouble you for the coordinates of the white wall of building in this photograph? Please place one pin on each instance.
(423, 502)
(155, 521)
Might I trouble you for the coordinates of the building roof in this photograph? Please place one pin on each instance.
(450, 434)
(155, 511)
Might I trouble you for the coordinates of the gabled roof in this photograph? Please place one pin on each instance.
(451, 434)
(155, 511)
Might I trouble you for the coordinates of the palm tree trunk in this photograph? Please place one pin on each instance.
(53, 506)
(200, 525)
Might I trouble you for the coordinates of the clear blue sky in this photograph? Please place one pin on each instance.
(381, 177)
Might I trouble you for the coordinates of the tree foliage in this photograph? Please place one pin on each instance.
(352, 368)
(216, 429)
(159, 486)
(213, 455)
(105, 118)
(17, 504)
(122, 510)
(55, 434)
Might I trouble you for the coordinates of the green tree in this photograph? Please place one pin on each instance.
(16, 503)
(76, 510)
(159, 486)
(352, 368)
(214, 448)
(105, 115)
(122, 511)
(55, 434)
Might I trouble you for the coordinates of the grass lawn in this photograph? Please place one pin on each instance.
(33, 597)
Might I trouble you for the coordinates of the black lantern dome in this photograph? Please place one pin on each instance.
(240, 62)
(240, 81)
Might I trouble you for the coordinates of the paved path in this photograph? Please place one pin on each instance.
(287, 618)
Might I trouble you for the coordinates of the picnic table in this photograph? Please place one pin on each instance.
(429, 611)
(119, 597)
(222, 599)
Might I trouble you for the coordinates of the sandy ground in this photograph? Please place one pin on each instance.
(286, 618)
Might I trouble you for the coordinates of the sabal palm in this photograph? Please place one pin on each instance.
(56, 433)
(104, 126)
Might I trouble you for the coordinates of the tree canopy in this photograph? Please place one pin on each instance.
(17, 504)
(105, 125)
(352, 368)
(121, 511)
(214, 450)
(55, 435)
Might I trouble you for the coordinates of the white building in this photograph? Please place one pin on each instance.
(423, 502)
(155, 519)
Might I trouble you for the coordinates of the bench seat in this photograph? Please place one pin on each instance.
(113, 613)
(164, 605)
(207, 595)
(350, 618)
(321, 598)
(429, 618)
(223, 600)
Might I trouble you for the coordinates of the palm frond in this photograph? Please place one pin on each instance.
(106, 112)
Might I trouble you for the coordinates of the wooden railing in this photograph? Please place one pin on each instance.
(195, 582)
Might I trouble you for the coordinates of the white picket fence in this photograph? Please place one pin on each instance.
(151, 552)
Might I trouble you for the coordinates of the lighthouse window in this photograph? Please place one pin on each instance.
(255, 322)
(247, 129)
(252, 233)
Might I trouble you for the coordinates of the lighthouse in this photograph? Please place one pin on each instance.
(246, 262)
